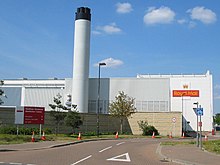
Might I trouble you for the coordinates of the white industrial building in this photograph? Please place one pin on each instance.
(152, 93)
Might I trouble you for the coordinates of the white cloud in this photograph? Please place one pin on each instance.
(96, 32)
(181, 21)
(109, 29)
(162, 15)
(110, 63)
(202, 14)
(123, 8)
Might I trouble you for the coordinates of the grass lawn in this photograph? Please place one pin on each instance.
(173, 143)
(14, 139)
(211, 146)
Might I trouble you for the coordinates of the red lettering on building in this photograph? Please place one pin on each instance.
(182, 93)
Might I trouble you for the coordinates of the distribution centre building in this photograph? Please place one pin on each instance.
(152, 93)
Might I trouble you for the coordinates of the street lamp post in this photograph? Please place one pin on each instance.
(200, 125)
(183, 121)
(100, 64)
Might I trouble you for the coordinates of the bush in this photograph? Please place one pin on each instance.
(147, 129)
(22, 130)
(8, 130)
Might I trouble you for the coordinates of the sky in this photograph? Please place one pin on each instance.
(132, 37)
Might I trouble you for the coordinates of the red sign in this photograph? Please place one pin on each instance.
(200, 124)
(182, 93)
(34, 115)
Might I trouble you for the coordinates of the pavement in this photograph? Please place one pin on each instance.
(32, 146)
(181, 154)
(189, 154)
(40, 145)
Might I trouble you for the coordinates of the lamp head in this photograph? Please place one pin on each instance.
(102, 64)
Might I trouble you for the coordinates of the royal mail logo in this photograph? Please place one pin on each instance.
(185, 86)
(182, 93)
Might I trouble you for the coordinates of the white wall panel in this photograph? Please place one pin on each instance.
(41, 96)
(151, 95)
(13, 96)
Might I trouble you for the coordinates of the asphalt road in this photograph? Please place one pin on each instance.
(107, 152)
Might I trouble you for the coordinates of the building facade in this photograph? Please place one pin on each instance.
(152, 93)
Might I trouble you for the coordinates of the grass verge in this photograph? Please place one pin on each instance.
(211, 146)
(173, 143)
(14, 139)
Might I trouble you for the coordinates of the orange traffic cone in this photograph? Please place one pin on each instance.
(79, 136)
(153, 136)
(170, 135)
(43, 136)
(206, 137)
(32, 138)
(183, 136)
(116, 135)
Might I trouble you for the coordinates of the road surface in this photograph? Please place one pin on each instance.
(105, 152)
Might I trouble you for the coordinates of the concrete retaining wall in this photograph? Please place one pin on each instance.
(164, 122)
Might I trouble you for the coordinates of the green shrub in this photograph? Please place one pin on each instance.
(8, 130)
(147, 129)
(22, 130)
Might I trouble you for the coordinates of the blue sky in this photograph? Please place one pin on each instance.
(132, 37)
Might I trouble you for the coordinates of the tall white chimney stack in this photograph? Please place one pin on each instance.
(80, 85)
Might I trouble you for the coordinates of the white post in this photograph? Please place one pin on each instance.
(40, 129)
(17, 130)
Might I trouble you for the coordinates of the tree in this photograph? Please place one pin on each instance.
(73, 119)
(57, 112)
(122, 107)
(1, 92)
(217, 119)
